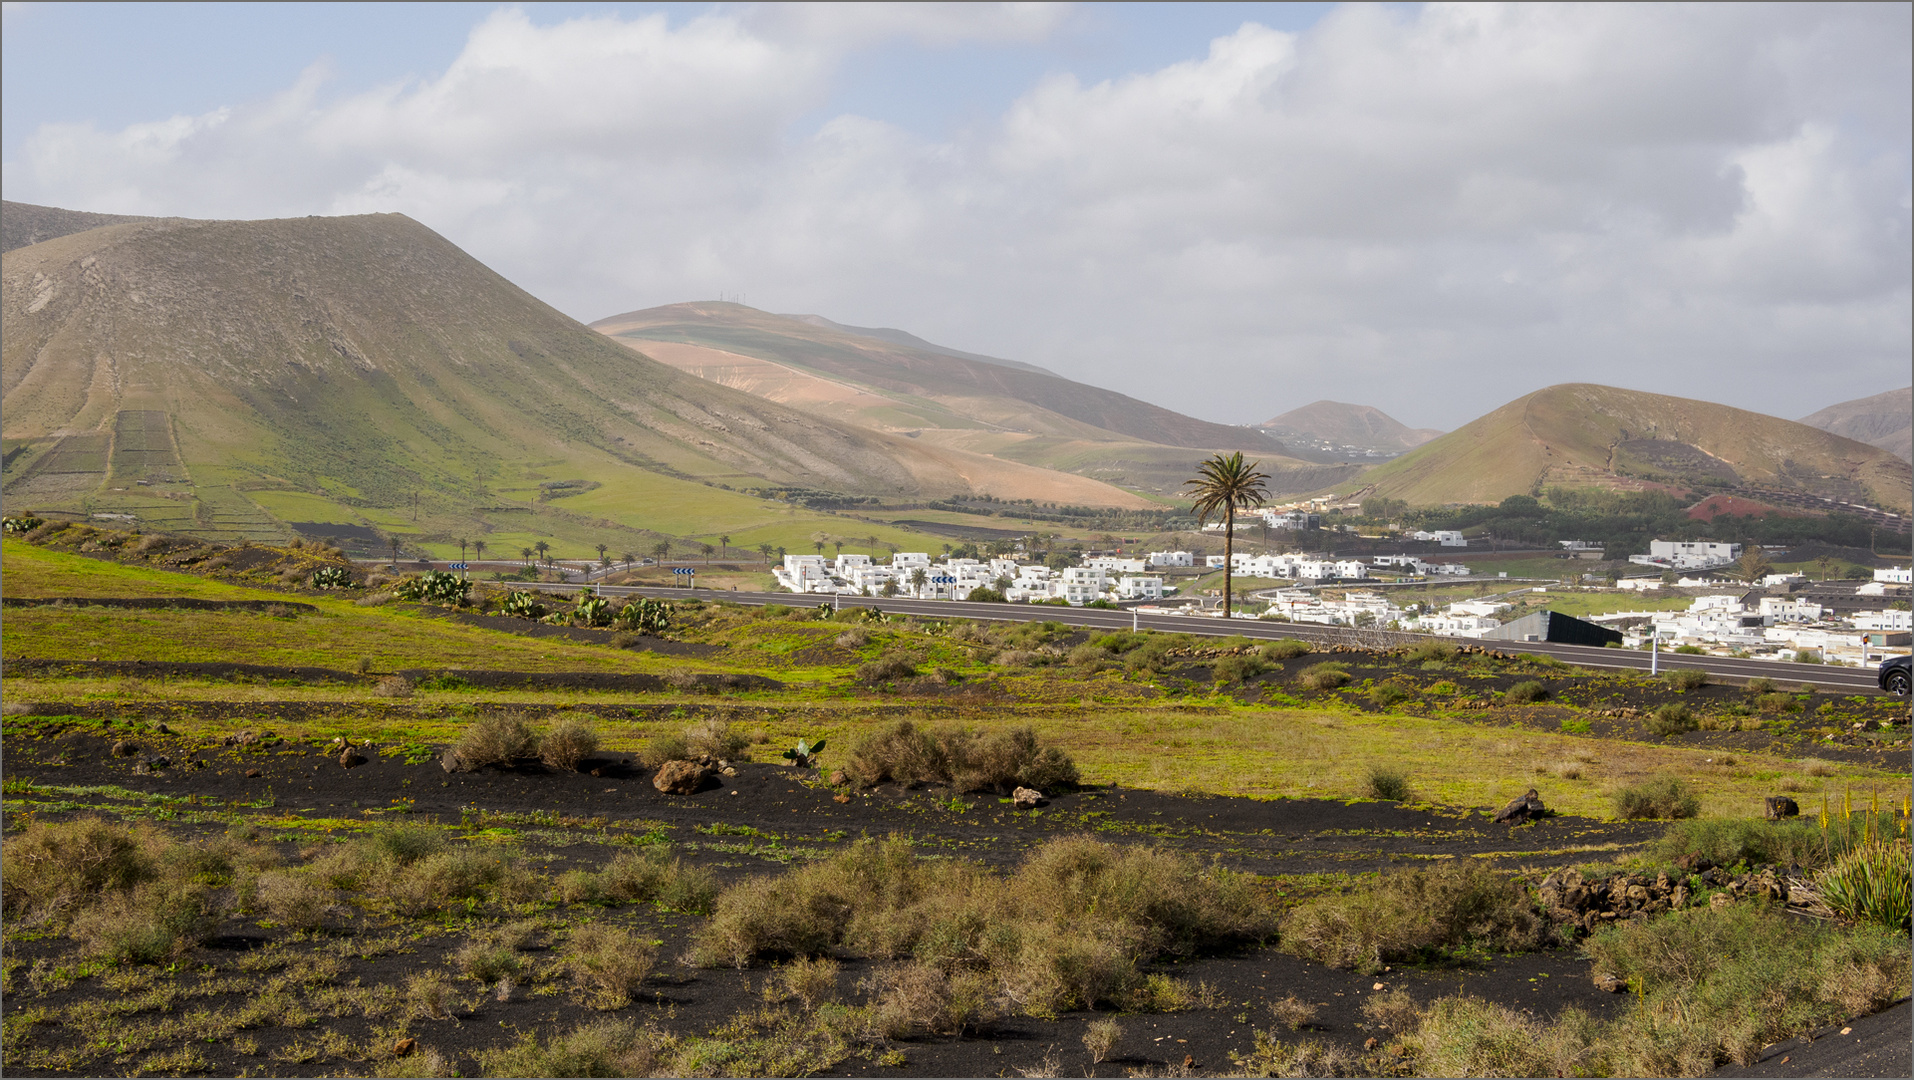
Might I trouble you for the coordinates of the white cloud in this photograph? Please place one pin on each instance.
(1433, 211)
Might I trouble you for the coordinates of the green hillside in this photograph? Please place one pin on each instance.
(237, 379)
(1581, 435)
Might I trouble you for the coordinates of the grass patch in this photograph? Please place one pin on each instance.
(1443, 912)
(1656, 797)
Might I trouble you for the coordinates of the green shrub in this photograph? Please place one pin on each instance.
(1324, 676)
(1727, 841)
(655, 876)
(1445, 688)
(644, 616)
(713, 739)
(152, 923)
(1285, 649)
(1389, 695)
(1685, 679)
(523, 605)
(1441, 652)
(1778, 703)
(435, 587)
(600, 1048)
(1466, 1036)
(570, 741)
(663, 747)
(496, 739)
(1807, 656)
(1656, 797)
(1415, 914)
(1236, 669)
(1871, 883)
(1526, 691)
(1672, 718)
(1690, 650)
(1388, 784)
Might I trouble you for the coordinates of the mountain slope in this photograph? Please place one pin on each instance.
(22, 224)
(1581, 435)
(368, 363)
(1884, 420)
(1341, 424)
(893, 381)
(1014, 398)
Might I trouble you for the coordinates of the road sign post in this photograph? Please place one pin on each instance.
(690, 572)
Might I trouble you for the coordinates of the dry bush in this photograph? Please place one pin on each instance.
(1672, 719)
(1327, 675)
(1412, 914)
(967, 760)
(1102, 1038)
(894, 665)
(1019, 658)
(599, 1048)
(1656, 797)
(854, 638)
(570, 741)
(431, 995)
(1440, 652)
(1393, 1010)
(152, 923)
(1270, 1056)
(663, 747)
(713, 739)
(497, 739)
(916, 999)
(1293, 1012)
(53, 866)
(811, 980)
(294, 900)
(608, 964)
(1388, 784)
(648, 876)
(488, 961)
(1464, 1036)
(902, 752)
(393, 686)
(1817, 767)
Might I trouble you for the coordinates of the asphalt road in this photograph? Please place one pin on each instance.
(1833, 679)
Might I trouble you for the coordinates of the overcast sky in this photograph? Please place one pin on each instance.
(1231, 210)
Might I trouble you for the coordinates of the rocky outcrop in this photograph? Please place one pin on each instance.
(1026, 798)
(1524, 807)
(1590, 905)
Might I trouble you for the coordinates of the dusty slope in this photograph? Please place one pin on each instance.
(367, 357)
(988, 392)
(22, 224)
(1349, 425)
(1884, 420)
(1581, 434)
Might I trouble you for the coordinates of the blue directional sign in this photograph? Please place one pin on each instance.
(457, 566)
(943, 581)
(684, 570)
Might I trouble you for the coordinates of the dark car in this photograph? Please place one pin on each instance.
(1896, 675)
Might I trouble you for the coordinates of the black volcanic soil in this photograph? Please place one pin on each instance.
(769, 813)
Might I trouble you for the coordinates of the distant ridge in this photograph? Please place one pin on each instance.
(24, 224)
(1342, 424)
(1884, 420)
(901, 337)
(1583, 435)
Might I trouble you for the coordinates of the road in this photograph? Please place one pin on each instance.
(1832, 679)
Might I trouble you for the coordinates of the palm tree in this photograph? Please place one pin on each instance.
(463, 544)
(542, 548)
(819, 545)
(1225, 485)
(602, 548)
(525, 553)
(1753, 565)
(765, 550)
(661, 549)
(840, 547)
(478, 551)
(628, 558)
(872, 542)
(707, 549)
(917, 579)
(724, 542)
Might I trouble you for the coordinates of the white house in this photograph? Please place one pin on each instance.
(1780, 609)
(1895, 575)
(1639, 584)
(1292, 519)
(1140, 588)
(1688, 554)
(908, 560)
(1117, 565)
(847, 563)
(1214, 562)
(1081, 584)
(1890, 619)
(1170, 558)
(1445, 537)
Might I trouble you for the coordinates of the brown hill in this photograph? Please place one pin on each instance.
(1338, 424)
(366, 362)
(1581, 435)
(1884, 420)
(1000, 395)
(22, 224)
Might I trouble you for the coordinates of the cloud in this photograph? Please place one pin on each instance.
(1433, 211)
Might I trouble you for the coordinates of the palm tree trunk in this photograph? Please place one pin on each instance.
(1229, 550)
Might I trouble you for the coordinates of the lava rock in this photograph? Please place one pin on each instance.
(681, 778)
(1780, 806)
(350, 757)
(1525, 807)
(1026, 798)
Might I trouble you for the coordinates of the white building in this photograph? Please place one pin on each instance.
(847, 563)
(1895, 575)
(1080, 585)
(908, 560)
(1688, 554)
(1292, 519)
(1445, 537)
(1891, 620)
(1781, 609)
(1140, 588)
(1214, 562)
(1117, 565)
(1170, 558)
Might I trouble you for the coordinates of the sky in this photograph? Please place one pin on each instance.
(1231, 210)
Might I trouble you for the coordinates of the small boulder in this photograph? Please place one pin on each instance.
(680, 778)
(404, 1047)
(1026, 798)
(1524, 807)
(254, 774)
(839, 778)
(1780, 806)
(1609, 983)
(840, 798)
(451, 762)
(350, 757)
(125, 748)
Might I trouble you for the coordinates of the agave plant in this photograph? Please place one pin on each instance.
(804, 754)
(1873, 882)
